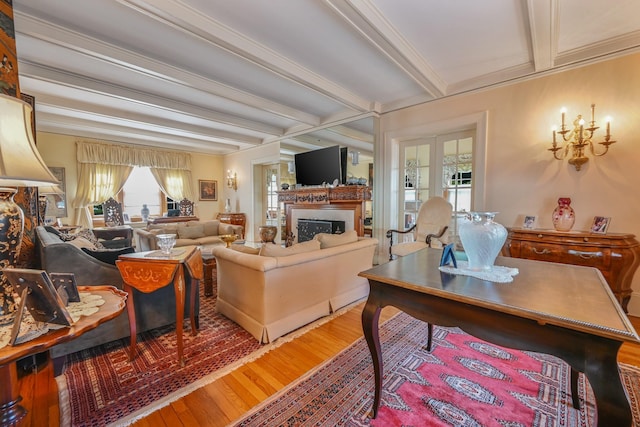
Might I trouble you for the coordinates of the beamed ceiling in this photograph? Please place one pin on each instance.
(218, 76)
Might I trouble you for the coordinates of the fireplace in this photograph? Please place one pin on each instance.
(307, 228)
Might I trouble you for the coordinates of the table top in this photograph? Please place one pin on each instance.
(114, 305)
(178, 255)
(564, 295)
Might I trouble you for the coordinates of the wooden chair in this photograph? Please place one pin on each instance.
(112, 210)
(429, 230)
(186, 207)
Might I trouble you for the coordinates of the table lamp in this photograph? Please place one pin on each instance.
(20, 166)
(43, 200)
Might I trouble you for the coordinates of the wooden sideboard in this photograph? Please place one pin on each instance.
(346, 198)
(235, 219)
(616, 255)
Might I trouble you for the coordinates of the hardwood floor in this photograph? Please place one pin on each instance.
(229, 397)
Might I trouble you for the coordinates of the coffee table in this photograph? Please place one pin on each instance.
(564, 310)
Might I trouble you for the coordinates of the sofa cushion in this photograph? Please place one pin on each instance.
(269, 249)
(86, 235)
(210, 227)
(163, 228)
(194, 231)
(330, 240)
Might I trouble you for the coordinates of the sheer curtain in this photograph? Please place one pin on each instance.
(104, 168)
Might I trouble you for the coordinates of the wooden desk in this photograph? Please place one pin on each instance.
(150, 271)
(536, 312)
(616, 255)
(10, 410)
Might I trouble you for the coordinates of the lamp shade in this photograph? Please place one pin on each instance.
(50, 189)
(20, 162)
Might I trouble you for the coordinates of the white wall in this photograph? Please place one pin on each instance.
(522, 178)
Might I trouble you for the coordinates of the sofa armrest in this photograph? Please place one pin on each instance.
(146, 240)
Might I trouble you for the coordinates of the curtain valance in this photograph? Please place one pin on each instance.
(113, 154)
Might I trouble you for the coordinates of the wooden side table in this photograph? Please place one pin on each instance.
(616, 255)
(235, 219)
(10, 410)
(150, 271)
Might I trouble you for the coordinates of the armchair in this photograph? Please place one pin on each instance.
(429, 230)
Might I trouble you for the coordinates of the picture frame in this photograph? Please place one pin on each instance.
(125, 217)
(42, 299)
(600, 224)
(529, 222)
(208, 189)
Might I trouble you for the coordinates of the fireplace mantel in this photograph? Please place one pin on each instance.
(324, 200)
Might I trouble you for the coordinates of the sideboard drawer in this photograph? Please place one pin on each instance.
(587, 256)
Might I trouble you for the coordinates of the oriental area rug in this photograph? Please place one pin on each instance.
(464, 381)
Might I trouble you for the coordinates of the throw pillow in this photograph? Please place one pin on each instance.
(269, 249)
(81, 242)
(190, 231)
(330, 240)
(85, 238)
(211, 227)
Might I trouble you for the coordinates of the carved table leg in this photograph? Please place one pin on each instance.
(370, 318)
(10, 410)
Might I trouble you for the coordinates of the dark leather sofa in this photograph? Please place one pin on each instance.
(152, 310)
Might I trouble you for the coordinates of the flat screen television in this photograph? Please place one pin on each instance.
(319, 166)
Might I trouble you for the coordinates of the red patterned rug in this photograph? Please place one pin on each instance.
(100, 386)
(462, 382)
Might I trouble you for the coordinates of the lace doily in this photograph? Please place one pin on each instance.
(30, 329)
(496, 274)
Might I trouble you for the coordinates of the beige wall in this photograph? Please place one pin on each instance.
(522, 178)
(60, 150)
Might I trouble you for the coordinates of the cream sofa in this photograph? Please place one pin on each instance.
(270, 296)
(199, 233)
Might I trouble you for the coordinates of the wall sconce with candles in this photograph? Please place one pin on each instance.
(232, 180)
(578, 138)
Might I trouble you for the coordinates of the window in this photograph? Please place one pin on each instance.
(437, 165)
(271, 180)
(140, 189)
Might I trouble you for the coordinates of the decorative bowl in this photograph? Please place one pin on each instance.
(229, 238)
(166, 242)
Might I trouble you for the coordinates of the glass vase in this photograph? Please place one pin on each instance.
(482, 239)
(563, 216)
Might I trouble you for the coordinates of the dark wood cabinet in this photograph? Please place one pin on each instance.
(616, 255)
(235, 219)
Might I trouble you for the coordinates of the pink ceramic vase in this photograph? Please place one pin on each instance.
(563, 216)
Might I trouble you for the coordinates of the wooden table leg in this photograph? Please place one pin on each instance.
(10, 410)
(133, 331)
(370, 318)
(179, 290)
(209, 265)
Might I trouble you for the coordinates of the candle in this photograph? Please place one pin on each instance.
(608, 128)
(554, 137)
(593, 113)
(562, 111)
(581, 130)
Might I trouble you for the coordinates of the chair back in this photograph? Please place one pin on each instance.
(112, 210)
(186, 207)
(434, 214)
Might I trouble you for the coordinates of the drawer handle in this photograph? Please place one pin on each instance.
(541, 252)
(586, 255)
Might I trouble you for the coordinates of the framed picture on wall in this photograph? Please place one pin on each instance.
(208, 189)
(57, 203)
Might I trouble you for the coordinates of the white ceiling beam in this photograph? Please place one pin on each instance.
(364, 17)
(59, 77)
(80, 110)
(196, 24)
(134, 62)
(543, 30)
